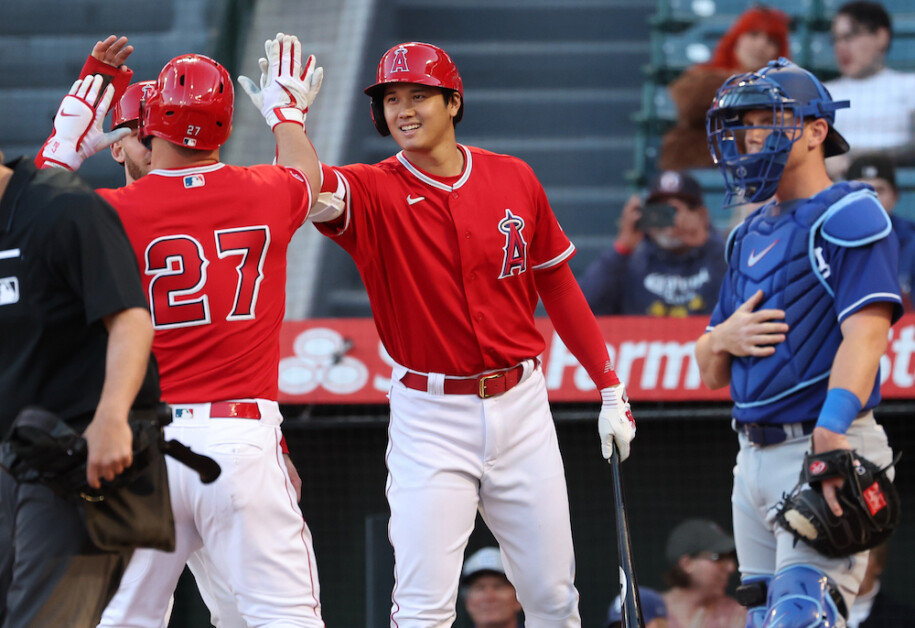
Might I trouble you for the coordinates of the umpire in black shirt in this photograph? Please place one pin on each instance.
(75, 339)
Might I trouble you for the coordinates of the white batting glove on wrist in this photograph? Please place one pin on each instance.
(78, 130)
(286, 88)
(615, 422)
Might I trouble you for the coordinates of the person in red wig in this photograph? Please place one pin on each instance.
(758, 34)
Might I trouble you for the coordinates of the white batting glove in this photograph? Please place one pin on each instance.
(615, 422)
(286, 88)
(78, 130)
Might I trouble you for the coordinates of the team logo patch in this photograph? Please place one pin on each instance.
(514, 258)
(399, 63)
(874, 498)
(817, 467)
(194, 181)
(9, 290)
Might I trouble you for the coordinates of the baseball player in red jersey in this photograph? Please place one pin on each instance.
(107, 57)
(211, 242)
(455, 245)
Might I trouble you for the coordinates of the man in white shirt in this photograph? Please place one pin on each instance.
(882, 113)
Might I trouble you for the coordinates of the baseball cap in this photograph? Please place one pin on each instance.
(698, 535)
(653, 606)
(486, 560)
(873, 166)
(674, 183)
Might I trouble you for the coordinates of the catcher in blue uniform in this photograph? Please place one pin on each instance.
(798, 332)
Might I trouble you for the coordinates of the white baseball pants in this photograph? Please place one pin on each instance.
(248, 520)
(450, 455)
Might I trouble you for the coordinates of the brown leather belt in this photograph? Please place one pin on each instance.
(483, 386)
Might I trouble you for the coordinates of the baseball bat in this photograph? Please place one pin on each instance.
(629, 590)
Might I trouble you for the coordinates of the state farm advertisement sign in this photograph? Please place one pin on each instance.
(342, 361)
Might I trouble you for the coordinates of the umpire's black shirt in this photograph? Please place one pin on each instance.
(65, 264)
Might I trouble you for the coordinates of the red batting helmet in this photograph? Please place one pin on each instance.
(190, 105)
(413, 62)
(127, 109)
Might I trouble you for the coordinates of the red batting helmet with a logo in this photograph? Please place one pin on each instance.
(191, 104)
(127, 109)
(413, 62)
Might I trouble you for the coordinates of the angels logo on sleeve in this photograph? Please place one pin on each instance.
(514, 259)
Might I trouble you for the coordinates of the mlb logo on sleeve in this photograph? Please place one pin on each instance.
(194, 181)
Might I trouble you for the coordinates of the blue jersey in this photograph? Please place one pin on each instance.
(820, 260)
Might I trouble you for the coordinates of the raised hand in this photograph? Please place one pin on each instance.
(112, 50)
(287, 88)
(78, 130)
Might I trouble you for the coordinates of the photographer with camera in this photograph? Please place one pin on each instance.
(667, 259)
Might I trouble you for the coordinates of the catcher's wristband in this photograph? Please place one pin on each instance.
(839, 410)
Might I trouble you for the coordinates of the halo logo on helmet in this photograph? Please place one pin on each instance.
(127, 109)
(792, 95)
(190, 105)
(400, 60)
(413, 62)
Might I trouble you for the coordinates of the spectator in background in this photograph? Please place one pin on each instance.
(882, 99)
(654, 611)
(702, 559)
(667, 259)
(489, 597)
(879, 171)
(873, 608)
(758, 35)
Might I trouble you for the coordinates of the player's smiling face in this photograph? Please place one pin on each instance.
(418, 116)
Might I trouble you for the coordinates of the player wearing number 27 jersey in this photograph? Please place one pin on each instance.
(229, 269)
(211, 241)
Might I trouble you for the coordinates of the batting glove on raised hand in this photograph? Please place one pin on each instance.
(615, 422)
(78, 130)
(287, 88)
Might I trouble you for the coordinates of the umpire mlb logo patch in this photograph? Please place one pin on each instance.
(194, 181)
(9, 290)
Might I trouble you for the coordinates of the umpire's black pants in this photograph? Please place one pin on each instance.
(51, 575)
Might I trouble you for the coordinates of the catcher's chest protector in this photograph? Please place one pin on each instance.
(781, 254)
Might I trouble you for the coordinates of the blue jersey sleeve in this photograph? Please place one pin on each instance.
(721, 311)
(863, 274)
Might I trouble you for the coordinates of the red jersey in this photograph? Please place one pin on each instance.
(211, 245)
(449, 264)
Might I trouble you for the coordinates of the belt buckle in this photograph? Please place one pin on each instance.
(482, 391)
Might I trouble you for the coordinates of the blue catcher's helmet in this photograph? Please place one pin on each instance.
(781, 87)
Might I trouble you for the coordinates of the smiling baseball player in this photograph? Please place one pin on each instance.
(455, 245)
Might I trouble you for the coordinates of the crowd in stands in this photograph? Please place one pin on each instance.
(666, 252)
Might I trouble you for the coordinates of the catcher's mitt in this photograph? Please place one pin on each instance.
(870, 504)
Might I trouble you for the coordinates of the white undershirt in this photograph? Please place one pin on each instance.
(881, 109)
